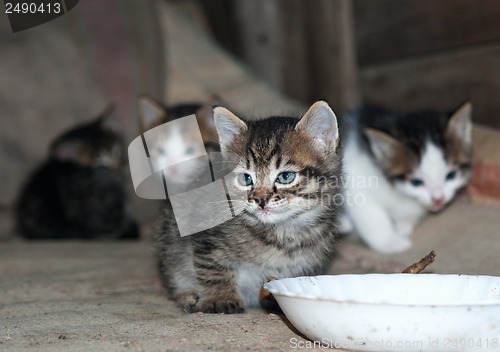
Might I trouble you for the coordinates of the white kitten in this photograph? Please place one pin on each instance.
(180, 146)
(414, 163)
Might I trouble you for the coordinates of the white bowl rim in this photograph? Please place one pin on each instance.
(314, 297)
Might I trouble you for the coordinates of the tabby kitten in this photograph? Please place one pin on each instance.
(401, 167)
(285, 227)
(79, 191)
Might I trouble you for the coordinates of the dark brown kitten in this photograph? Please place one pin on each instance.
(79, 191)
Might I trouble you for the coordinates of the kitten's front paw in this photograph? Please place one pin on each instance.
(392, 245)
(187, 301)
(220, 305)
(404, 229)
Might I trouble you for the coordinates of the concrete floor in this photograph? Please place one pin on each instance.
(84, 296)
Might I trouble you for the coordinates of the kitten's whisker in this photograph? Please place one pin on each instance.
(234, 208)
(234, 201)
(223, 214)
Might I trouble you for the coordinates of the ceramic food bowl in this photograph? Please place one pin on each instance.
(394, 312)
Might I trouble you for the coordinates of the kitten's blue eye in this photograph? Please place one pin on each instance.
(190, 151)
(286, 177)
(416, 182)
(245, 179)
(451, 175)
(399, 178)
(162, 151)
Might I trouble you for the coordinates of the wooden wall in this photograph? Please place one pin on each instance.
(411, 54)
(417, 54)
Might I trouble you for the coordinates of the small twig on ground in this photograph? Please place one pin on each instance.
(421, 265)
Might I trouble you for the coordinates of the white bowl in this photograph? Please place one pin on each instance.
(393, 312)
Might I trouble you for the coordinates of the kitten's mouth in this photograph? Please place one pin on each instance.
(434, 209)
(268, 214)
(437, 206)
(266, 211)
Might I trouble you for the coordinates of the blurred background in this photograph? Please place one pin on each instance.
(257, 56)
(408, 55)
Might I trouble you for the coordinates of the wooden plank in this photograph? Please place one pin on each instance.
(439, 82)
(261, 38)
(295, 81)
(392, 29)
(224, 24)
(332, 53)
(273, 41)
(305, 49)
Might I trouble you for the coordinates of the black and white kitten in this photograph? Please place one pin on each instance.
(401, 166)
(287, 169)
(79, 192)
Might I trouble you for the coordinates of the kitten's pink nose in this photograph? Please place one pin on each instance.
(437, 202)
(261, 201)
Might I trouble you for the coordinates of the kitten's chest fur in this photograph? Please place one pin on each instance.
(251, 253)
(280, 264)
(293, 251)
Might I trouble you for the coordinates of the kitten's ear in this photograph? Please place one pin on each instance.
(460, 123)
(206, 123)
(108, 119)
(321, 124)
(151, 113)
(383, 146)
(228, 126)
(205, 114)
